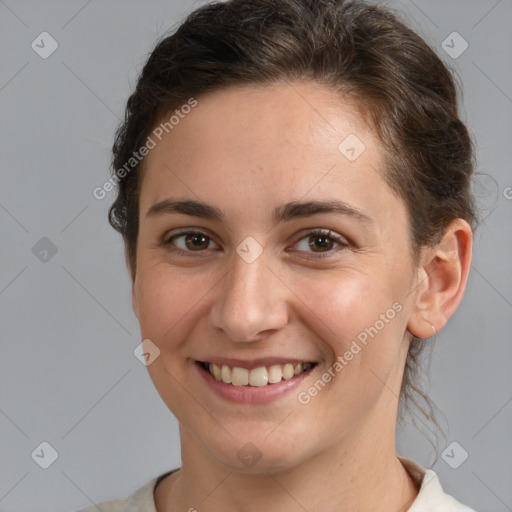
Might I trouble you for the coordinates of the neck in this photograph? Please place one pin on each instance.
(343, 479)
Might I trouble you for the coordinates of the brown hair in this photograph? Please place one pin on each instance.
(365, 53)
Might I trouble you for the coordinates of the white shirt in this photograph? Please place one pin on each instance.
(431, 497)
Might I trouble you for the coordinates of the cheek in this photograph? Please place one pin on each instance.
(167, 300)
(361, 322)
(347, 302)
(357, 316)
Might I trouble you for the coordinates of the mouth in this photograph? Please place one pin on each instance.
(261, 376)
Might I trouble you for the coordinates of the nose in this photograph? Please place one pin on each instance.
(250, 303)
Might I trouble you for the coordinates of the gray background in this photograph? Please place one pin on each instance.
(69, 376)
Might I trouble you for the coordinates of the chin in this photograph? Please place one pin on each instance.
(252, 461)
(258, 453)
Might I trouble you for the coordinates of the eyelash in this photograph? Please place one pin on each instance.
(343, 243)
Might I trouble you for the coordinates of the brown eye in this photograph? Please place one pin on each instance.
(188, 241)
(196, 241)
(323, 242)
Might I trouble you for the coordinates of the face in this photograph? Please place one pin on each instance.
(270, 245)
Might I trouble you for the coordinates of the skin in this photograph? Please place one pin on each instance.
(247, 150)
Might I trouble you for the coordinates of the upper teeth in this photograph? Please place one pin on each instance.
(257, 376)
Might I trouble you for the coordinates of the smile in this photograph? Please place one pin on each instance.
(256, 377)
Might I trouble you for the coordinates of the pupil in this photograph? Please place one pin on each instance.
(195, 238)
(325, 242)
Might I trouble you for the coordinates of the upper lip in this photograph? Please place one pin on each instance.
(253, 363)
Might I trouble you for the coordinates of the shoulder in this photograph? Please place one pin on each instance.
(431, 496)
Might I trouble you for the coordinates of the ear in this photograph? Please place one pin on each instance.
(442, 278)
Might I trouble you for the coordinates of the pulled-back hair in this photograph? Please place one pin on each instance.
(367, 55)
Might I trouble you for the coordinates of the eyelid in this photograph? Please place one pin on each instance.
(322, 231)
(185, 231)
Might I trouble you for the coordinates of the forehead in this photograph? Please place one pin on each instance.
(255, 145)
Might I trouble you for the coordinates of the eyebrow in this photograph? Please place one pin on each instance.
(286, 212)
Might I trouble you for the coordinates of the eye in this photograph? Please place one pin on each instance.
(324, 240)
(187, 242)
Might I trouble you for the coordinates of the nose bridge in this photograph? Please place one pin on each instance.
(249, 301)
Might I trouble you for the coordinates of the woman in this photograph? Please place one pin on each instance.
(294, 201)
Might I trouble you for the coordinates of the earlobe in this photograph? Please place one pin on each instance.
(442, 278)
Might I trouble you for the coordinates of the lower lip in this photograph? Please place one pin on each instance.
(251, 394)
